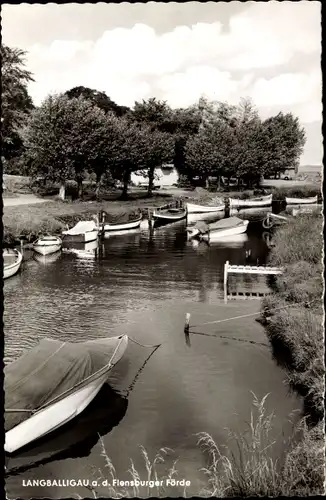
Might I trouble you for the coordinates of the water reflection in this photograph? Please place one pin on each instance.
(87, 250)
(46, 260)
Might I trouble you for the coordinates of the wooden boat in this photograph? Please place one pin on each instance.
(221, 229)
(124, 226)
(168, 215)
(202, 209)
(301, 201)
(262, 201)
(82, 232)
(12, 260)
(53, 383)
(45, 245)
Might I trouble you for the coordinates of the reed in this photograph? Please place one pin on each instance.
(251, 470)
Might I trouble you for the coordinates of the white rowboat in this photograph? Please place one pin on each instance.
(45, 245)
(82, 232)
(219, 234)
(123, 226)
(76, 394)
(262, 201)
(301, 201)
(12, 260)
(201, 209)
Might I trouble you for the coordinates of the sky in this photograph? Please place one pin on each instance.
(269, 52)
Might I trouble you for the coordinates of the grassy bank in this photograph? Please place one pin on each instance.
(294, 317)
(250, 470)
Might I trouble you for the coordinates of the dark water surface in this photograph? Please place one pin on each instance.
(143, 285)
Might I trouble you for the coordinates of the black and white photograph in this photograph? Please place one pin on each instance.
(163, 251)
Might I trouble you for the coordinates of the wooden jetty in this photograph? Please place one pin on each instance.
(228, 268)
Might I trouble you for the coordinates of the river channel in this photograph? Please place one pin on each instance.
(143, 284)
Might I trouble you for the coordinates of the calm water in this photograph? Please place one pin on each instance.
(143, 285)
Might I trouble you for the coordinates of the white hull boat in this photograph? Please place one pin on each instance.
(263, 201)
(301, 201)
(46, 245)
(12, 260)
(78, 390)
(223, 228)
(201, 209)
(82, 232)
(126, 226)
(222, 234)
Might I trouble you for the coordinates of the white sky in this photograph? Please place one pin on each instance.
(177, 52)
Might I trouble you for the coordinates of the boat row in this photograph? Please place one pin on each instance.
(262, 201)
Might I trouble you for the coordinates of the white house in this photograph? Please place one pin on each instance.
(164, 176)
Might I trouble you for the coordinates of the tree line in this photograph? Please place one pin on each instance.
(82, 131)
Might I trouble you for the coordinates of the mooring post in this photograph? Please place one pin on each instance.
(186, 328)
(225, 282)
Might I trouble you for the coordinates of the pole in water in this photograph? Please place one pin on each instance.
(186, 328)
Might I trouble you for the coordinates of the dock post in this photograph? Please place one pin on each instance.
(225, 282)
(186, 327)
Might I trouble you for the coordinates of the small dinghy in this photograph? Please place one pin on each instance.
(45, 245)
(301, 201)
(12, 260)
(217, 230)
(53, 383)
(202, 209)
(263, 201)
(168, 215)
(82, 232)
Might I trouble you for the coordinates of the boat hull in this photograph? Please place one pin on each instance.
(81, 238)
(264, 202)
(225, 233)
(201, 209)
(12, 269)
(301, 201)
(47, 246)
(122, 227)
(168, 218)
(58, 413)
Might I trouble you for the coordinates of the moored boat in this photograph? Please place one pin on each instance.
(262, 201)
(168, 215)
(82, 232)
(53, 383)
(12, 260)
(301, 201)
(202, 209)
(45, 245)
(221, 229)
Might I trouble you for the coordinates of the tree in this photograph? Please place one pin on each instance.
(16, 103)
(99, 99)
(64, 138)
(284, 141)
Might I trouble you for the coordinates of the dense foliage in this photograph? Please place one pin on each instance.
(84, 132)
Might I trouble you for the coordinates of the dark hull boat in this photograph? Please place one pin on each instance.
(168, 215)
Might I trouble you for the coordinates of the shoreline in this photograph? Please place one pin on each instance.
(51, 215)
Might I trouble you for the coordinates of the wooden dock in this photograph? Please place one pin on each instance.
(262, 270)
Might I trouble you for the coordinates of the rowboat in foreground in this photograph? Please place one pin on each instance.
(301, 201)
(168, 215)
(12, 260)
(82, 232)
(262, 201)
(202, 209)
(45, 245)
(220, 229)
(53, 383)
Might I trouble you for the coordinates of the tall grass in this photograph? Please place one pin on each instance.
(250, 470)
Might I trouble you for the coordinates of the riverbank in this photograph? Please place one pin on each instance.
(293, 316)
(51, 215)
